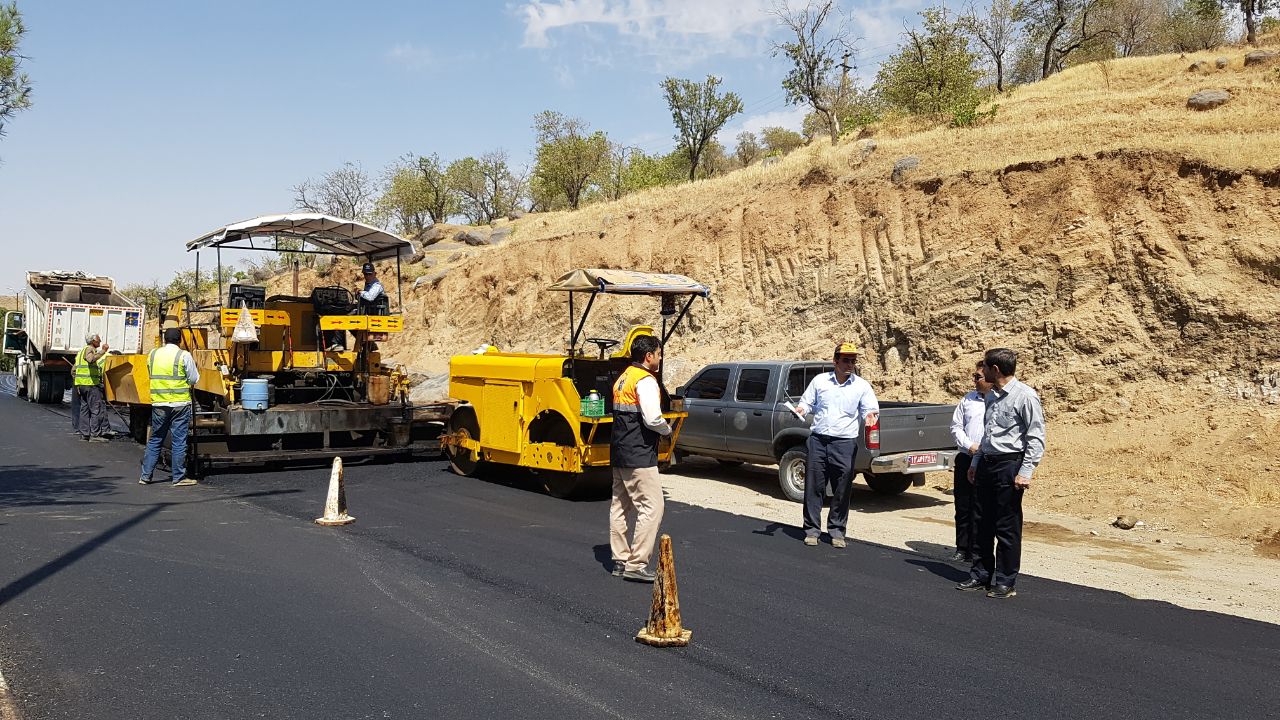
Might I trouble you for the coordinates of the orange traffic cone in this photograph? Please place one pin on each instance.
(335, 506)
(664, 628)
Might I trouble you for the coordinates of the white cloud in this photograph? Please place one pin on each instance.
(702, 27)
(411, 56)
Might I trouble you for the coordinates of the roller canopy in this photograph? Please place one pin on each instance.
(628, 282)
(332, 234)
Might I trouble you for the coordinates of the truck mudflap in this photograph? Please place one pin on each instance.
(912, 463)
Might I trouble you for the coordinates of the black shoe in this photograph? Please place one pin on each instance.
(961, 556)
(972, 584)
(618, 568)
(1001, 592)
(643, 575)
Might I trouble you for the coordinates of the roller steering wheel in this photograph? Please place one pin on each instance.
(603, 343)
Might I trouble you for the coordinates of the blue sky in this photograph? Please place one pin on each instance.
(155, 122)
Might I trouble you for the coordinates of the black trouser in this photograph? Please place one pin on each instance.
(75, 408)
(966, 506)
(830, 462)
(999, 518)
(93, 411)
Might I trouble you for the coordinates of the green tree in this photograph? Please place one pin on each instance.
(815, 78)
(487, 187)
(440, 198)
(404, 197)
(747, 149)
(996, 29)
(1194, 25)
(856, 110)
(1253, 12)
(15, 87)
(699, 111)
(569, 156)
(780, 141)
(934, 72)
(1062, 27)
(347, 193)
(644, 171)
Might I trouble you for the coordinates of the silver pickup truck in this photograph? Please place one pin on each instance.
(737, 415)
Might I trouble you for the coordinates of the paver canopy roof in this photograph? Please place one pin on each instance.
(331, 234)
(628, 282)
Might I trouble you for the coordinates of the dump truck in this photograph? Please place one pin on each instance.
(59, 309)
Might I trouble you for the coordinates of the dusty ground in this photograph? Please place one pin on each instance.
(1181, 566)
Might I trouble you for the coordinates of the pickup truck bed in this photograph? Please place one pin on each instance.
(737, 415)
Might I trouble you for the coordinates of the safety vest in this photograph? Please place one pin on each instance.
(87, 374)
(168, 375)
(632, 443)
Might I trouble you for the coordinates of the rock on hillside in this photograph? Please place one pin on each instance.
(1107, 272)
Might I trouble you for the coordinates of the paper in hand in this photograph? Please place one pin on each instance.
(793, 409)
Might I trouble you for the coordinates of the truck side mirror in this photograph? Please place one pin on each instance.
(680, 391)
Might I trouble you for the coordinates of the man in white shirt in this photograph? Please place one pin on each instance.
(840, 402)
(966, 431)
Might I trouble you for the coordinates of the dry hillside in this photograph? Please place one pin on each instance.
(1128, 247)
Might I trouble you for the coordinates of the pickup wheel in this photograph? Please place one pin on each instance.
(888, 483)
(791, 469)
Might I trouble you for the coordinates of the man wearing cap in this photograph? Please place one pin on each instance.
(87, 376)
(840, 402)
(371, 292)
(366, 304)
(173, 373)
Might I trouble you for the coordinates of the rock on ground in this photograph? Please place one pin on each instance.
(1208, 99)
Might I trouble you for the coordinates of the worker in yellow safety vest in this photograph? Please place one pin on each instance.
(635, 512)
(173, 373)
(91, 418)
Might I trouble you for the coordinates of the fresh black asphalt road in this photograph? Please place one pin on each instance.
(456, 597)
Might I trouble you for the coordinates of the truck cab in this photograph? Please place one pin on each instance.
(736, 414)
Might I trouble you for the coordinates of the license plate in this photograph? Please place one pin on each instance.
(923, 459)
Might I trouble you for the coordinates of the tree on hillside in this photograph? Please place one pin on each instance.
(404, 196)
(15, 87)
(347, 192)
(487, 187)
(933, 72)
(1136, 24)
(995, 27)
(815, 78)
(1194, 25)
(856, 110)
(644, 171)
(747, 149)
(1061, 27)
(698, 111)
(1253, 12)
(780, 141)
(569, 156)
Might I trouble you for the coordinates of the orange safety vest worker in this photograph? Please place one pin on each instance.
(633, 444)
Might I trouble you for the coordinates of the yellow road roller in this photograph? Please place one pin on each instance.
(553, 413)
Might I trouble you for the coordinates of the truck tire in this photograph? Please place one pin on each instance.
(462, 461)
(791, 473)
(888, 483)
(45, 390)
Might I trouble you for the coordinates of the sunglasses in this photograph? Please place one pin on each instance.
(846, 359)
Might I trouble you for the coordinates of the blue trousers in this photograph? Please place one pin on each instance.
(173, 421)
(830, 463)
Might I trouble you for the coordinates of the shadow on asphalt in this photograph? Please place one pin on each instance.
(764, 480)
(604, 556)
(65, 560)
(28, 485)
(792, 531)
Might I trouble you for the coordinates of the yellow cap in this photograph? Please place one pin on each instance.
(846, 348)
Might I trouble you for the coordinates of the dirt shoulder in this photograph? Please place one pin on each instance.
(1181, 567)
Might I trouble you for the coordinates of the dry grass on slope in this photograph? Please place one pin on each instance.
(1130, 104)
